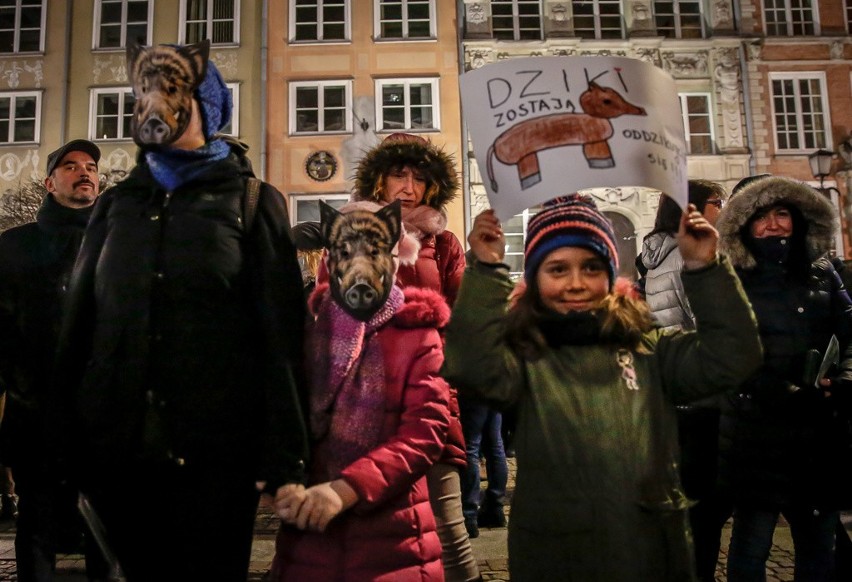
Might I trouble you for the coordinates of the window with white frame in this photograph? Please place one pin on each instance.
(217, 20)
(598, 19)
(679, 18)
(118, 22)
(404, 19)
(697, 123)
(305, 207)
(320, 107)
(515, 231)
(233, 127)
(848, 11)
(789, 18)
(21, 23)
(516, 19)
(20, 117)
(407, 104)
(110, 111)
(319, 20)
(800, 111)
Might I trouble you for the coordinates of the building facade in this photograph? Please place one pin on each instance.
(344, 74)
(63, 73)
(713, 50)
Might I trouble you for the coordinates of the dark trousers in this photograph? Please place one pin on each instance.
(481, 425)
(813, 542)
(48, 523)
(166, 522)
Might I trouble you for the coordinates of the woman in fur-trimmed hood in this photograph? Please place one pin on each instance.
(423, 178)
(780, 446)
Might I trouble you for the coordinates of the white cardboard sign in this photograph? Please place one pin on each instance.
(547, 126)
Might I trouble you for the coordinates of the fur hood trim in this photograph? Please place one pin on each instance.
(436, 164)
(408, 247)
(819, 213)
(422, 307)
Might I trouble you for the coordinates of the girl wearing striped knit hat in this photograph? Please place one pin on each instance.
(597, 493)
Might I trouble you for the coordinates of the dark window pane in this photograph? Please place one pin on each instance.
(110, 36)
(110, 13)
(392, 30)
(25, 130)
(392, 95)
(223, 31)
(418, 30)
(334, 120)
(4, 131)
(307, 97)
(334, 32)
(31, 17)
(137, 11)
(307, 121)
(129, 102)
(25, 107)
(108, 105)
(394, 118)
(196, 32)
(335, 97)
(107, 128)
(30, 40)
(138, 33)
(306, 32)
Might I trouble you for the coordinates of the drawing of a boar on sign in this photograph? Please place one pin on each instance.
(520, 144)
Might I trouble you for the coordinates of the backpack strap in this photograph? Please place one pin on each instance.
(250, 199)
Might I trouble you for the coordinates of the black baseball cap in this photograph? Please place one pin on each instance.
(75, 145)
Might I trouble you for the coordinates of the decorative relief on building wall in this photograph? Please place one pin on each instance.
(685, 65)
(11, 72)
(837, 50)
(113, 67)
(119, 161)
(755, 49)
(559, 13)
(614, 196)
(226, 62)
(13, 167)
(475, 13)
(562, 52)
(726, 73)
(648, 55)
(641, 12)
(603, 53)
(722, 14)
(478, 58)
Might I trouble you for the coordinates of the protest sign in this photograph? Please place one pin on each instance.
(546, 126)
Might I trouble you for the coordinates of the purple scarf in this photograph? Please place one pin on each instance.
(348, 381)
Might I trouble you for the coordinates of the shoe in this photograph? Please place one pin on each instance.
(491, 516)
(471, 527)
(8, 507)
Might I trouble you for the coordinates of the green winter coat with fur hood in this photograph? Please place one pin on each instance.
(598, 497)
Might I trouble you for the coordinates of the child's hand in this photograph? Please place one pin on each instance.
(323, 503)
(696, 239)
(288, 500)
(486, 238)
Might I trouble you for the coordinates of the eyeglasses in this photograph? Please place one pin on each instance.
(717, 202)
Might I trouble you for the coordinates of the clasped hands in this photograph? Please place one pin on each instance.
(312, 508)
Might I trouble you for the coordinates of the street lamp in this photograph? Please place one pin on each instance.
(820, 162)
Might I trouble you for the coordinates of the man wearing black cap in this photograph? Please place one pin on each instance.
(36, 260)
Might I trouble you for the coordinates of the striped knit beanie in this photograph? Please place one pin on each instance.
(569, 221)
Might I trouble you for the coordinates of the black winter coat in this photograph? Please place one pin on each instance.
(781, 439)
(183, 339)
(36, 260)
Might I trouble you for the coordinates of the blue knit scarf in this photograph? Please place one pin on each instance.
(172, 167)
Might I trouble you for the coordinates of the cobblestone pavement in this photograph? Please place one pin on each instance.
(489, 548)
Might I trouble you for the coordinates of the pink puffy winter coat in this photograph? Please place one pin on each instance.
(389, 535)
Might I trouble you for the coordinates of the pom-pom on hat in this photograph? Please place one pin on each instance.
(569, 221)
(405, 149)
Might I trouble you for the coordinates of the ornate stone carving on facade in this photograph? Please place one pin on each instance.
(114, 65)
(502, 56)
(755, 50)
(478, 58)
(685, 65)
(726, 73)
(562, 52)
(559, 13)
(12, 71)
(836, 50)
(13, 166)
(118, 161)
(603, 53)
(475, 13)
(723, 17)
(641, 11)
(226, 62)
(613, 196)
(648, 55)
